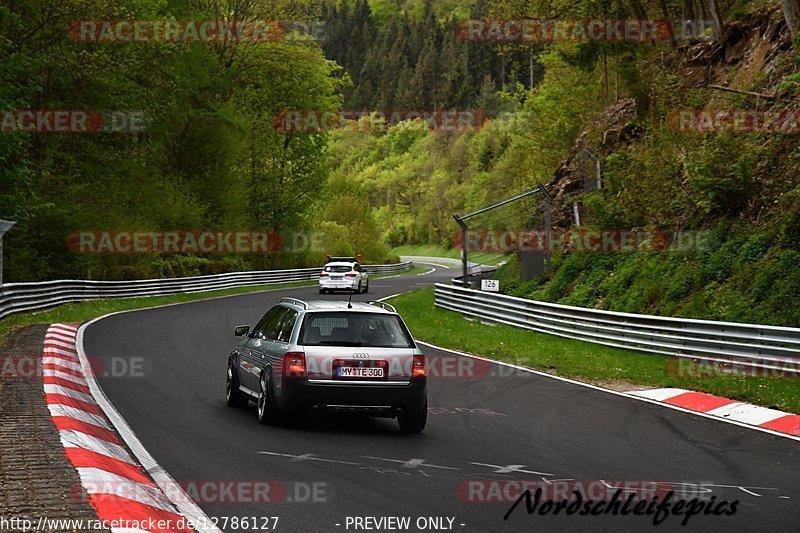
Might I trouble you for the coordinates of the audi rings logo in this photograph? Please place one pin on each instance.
(360, 356)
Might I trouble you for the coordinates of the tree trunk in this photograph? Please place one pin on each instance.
(665, 14)
(791, 11)
(701, 14)
(716, 17)
(700, 10)
(637, 10)
(530, 67)
(605, 77)
(687, 10)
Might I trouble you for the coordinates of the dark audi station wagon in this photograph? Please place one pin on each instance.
(335, 356)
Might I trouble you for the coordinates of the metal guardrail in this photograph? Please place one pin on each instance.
(477, 271)
(448, 261)
(476, 274)
(396, 268)
(19, 297)
(747, 345)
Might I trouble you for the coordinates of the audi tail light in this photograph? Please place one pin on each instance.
(418, 369)
(294, 365)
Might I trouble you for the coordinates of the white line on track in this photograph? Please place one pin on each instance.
(307, 457)
(411, 463)
(508, 469)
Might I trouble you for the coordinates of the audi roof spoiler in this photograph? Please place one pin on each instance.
(295, 301)
(383, 305)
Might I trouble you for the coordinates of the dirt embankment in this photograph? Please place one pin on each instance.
(747, 68)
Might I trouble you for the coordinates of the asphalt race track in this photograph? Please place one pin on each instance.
(487, 425)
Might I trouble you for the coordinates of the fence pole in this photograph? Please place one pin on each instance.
(5, 225)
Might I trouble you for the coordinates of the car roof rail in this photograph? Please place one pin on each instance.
(295, 301)
(383, 305)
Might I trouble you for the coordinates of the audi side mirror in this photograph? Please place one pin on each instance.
(242, 331)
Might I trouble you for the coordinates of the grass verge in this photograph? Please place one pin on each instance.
(580, 360)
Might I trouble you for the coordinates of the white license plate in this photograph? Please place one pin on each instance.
(357, 372)
(337, 277)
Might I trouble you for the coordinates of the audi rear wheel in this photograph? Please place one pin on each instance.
(233, 396)
(266, 409)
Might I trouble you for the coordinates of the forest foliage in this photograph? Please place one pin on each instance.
(209, 158)
(213, 158)
(741, 190)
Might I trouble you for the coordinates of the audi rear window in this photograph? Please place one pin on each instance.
(341, 328)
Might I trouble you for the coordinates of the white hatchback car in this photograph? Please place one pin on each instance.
(343, 276)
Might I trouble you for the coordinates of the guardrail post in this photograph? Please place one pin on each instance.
(5, 225)
(548, 226)
(464, 251)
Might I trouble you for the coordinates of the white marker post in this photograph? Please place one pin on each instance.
(490, 285)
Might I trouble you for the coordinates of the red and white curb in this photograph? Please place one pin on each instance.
(96, 440)
(726, 409)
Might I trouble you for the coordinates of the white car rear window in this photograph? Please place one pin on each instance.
(338, 269)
